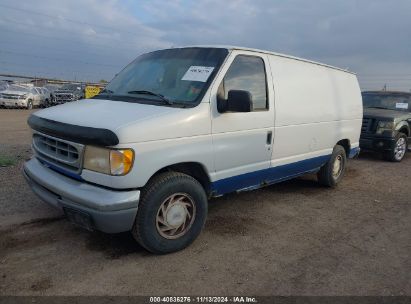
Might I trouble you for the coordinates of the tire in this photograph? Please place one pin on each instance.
(330, 175)
(29, 105)
(155, 215)
(400, 148)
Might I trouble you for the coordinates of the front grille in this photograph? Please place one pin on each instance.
(367, 125)
(62, 153)
(65, 97)
(10, 96)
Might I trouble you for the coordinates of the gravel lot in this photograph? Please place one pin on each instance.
(293, 238)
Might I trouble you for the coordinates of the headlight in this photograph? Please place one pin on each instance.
(121, 161)
(384, 126)
(108, 161)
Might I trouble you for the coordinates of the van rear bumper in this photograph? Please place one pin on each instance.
(90, 206)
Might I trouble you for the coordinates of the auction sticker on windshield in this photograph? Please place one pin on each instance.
(198, 73)
(402, 105)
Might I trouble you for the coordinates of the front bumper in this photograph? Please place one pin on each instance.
(13, 103)
(109, 211)
(376, 143)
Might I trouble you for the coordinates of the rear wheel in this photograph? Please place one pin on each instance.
(171, 213)
(333, 171)
(400, 148)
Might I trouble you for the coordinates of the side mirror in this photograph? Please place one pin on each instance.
(237, 101)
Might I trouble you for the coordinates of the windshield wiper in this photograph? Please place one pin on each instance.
(143, 92)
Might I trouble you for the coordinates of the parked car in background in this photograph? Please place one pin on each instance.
(3, 85)
(386, 126)
(16, 96)
(52, 88)
(45, 97)
(67, 93)
(181, 125)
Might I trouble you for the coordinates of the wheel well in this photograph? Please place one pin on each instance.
(405, 131)
(195, 170)
(345, 143)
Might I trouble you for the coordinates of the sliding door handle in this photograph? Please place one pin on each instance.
(269, 137)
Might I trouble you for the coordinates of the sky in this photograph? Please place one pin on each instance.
(90, 40)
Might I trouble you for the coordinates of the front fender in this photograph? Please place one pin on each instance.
(152, 156)
(403, 125)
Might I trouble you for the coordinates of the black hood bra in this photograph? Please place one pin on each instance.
(78, 134)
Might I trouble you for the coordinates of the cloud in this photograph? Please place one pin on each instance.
(369, 37)
(86, 39)
(366, 36)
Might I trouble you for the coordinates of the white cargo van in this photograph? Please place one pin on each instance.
(179, 126)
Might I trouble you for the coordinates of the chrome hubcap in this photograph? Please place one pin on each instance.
(175, 216)
(400, 148)
(337, 166)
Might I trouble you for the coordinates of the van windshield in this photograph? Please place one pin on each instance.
(167, 77)
(387, 100)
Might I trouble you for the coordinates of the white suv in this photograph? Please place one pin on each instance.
(16, 96)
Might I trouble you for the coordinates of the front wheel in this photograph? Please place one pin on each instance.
(171, 213)
(29, 105)
(400, 148)
(333, 171)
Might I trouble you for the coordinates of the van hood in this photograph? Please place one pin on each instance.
(129, 122)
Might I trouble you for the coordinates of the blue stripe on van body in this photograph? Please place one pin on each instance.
(258, 179)
(354, 152)
(62, 171)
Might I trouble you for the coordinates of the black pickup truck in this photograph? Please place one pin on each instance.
(68, 92)
(386, 125)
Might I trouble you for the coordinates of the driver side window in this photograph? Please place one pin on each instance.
(246, 73)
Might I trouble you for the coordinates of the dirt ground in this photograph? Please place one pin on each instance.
(293, 238)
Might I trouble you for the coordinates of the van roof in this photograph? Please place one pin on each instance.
(231, 47)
